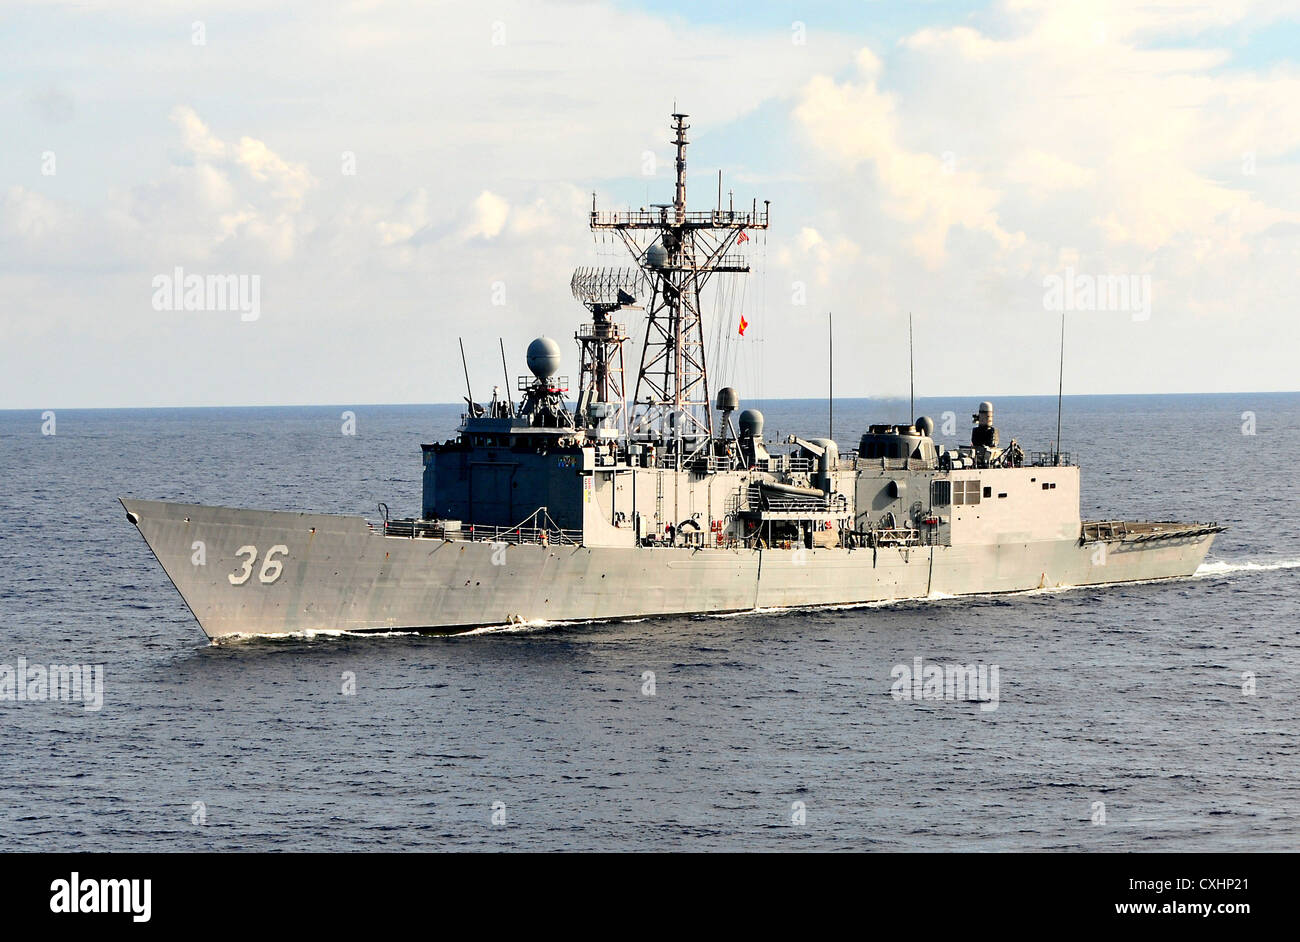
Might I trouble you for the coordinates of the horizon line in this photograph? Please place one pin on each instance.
(889, 398)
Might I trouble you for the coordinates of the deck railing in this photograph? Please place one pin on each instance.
(429, 530)
(776, 463)
(1104, 530)
(1047, 459)
(537, 527)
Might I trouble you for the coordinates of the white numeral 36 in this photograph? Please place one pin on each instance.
(271, 566)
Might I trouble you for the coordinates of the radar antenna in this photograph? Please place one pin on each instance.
(602, 402)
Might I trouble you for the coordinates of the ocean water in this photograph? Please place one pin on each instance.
(1124, 718)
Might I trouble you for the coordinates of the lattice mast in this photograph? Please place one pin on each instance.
(678, 252)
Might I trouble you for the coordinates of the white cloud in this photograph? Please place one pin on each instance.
(855, 123)
(289, 182)
(197, 140)
(1069, 124)
(488, 216)
(945, 174)
(474, 165)
(1039, 173)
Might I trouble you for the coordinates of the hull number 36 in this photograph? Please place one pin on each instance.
(271, 564)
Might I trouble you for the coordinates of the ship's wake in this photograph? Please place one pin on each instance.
(329, 634)
(1222, 567)
(512, 628)
(308, 634)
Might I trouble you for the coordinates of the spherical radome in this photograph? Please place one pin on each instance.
(544, 357)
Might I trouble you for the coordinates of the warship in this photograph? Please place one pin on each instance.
(559, 509)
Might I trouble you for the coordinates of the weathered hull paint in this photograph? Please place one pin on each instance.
(336, 573)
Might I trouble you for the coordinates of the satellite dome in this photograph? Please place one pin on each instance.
(751, 423)
(656, 256)
(728, 399)
(543, 357)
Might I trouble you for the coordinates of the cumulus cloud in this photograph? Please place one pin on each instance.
(946, 172)
(488, 218)
(1039, 173)
(1072, 125)
(856, 123)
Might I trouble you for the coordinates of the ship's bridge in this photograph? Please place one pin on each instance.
(518, 433)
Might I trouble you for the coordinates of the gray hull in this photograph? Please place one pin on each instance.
(254, 572)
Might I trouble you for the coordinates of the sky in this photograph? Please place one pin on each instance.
(382, 178)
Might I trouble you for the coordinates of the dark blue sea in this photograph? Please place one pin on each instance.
(1143, 717)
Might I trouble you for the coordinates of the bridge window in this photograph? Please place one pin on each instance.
(941, 493)
(966, 492)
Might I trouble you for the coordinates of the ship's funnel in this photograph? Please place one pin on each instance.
(544, 357)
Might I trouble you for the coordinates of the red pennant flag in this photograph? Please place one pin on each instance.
(743, 236)
(743, 324)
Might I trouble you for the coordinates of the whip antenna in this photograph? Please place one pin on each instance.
(830, 374)
(911, 366)
(1060, 390)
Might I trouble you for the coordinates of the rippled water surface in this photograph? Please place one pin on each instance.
(1131, 696)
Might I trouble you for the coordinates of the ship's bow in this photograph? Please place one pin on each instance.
(246, 571)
